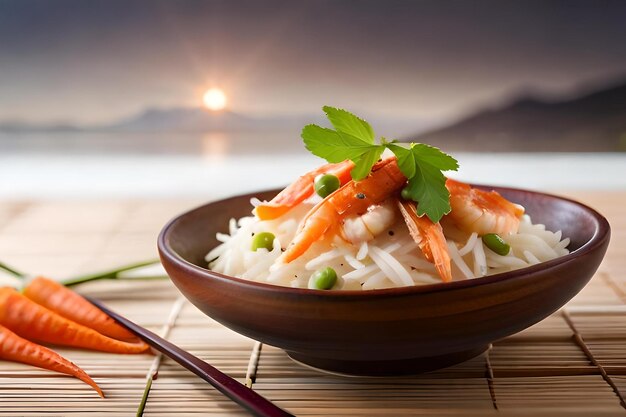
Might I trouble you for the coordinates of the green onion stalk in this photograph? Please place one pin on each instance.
(108, 274)
(12, 271)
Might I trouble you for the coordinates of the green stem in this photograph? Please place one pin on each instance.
(12, 271)
(111, 274)
(144, 397)
(75, 282)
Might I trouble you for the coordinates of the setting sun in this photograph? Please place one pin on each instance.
(214, 99)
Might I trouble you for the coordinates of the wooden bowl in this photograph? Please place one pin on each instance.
(392, 331)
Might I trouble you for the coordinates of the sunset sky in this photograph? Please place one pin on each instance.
(92, 62)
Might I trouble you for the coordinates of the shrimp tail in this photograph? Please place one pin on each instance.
(313, 227)
(429, 237)
(301, 189)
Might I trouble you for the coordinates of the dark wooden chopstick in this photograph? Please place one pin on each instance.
(228, 386)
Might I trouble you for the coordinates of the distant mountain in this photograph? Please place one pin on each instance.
(187, 119)
(16, 127)
(595, 122)
(195, 119)
(177, 119)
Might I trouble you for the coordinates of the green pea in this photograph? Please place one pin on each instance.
(326, 184)
(496, 244)
(405, 194)
(323, 279)
(263, 240)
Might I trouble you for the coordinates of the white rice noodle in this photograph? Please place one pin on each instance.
(261, 261)
(497, 261)
(358, 274)
(383, 262)
(351, 260)
(423, 278)
(458, 261)
(469, 246)
(560, 247)
(375, 281)
(289, 227)
(480, 261)
(322, 259)
(531, 258)
(392, 268)
(222, 237)
(362, 253)
(392, 247)
(231, 262)
(216, 252)
(526, 227)
(419, 264)
(521, 243)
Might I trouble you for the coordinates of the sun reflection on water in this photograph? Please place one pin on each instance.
(215, 146)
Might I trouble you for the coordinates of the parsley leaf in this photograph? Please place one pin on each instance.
(406, 159)
(363, 165)
(333, 146)
(422, 165)
(428, 188)
(433, 156)
(347, 122)
(337, 146)
(353, 138)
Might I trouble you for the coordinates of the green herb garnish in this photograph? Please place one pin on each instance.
(353, 138)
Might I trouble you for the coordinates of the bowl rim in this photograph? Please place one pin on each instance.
(600, 236)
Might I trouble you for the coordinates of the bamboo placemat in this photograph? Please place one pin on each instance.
(573, 362)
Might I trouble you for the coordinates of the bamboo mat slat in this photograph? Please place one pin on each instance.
(307, 392)
(205, 338)
(572, 363)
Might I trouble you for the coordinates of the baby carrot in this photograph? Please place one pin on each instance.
(71, 305)
(16, 349)
(34, 322)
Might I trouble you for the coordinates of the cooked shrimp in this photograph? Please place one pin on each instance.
(475, 210)
(355, 197)
(429, 237)
(301, 189)
(358, 229)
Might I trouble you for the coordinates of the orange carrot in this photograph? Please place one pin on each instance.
(71, 305)
(16, 349)
(34, 322)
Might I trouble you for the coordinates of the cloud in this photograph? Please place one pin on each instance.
(96, 61)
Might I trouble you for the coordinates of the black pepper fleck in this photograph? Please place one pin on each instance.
(360, 196)
(282, 249)
(391, 233)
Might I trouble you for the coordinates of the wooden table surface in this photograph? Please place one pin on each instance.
(573, 363)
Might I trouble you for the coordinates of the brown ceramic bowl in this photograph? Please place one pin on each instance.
(390, 331)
